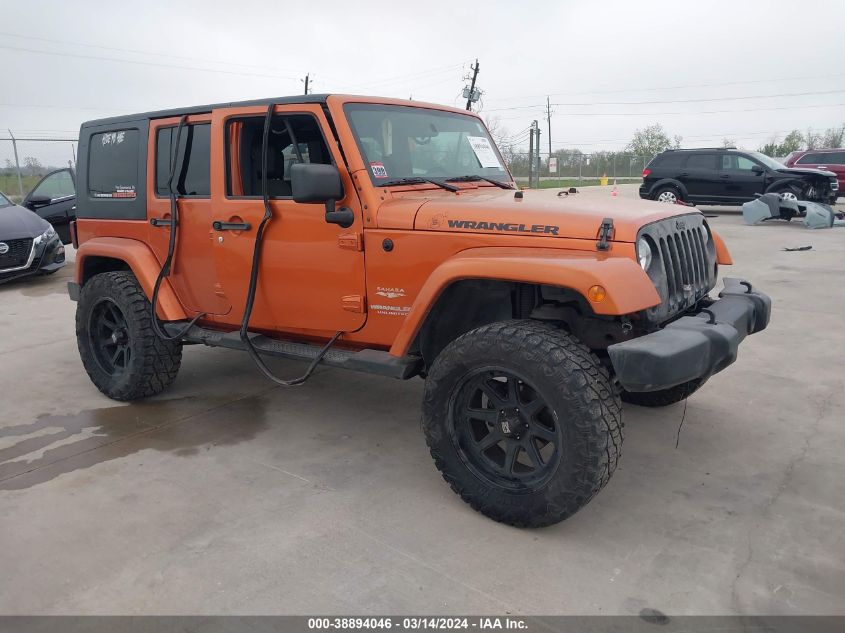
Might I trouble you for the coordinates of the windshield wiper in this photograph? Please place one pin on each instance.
(418, 181)
(473, 177)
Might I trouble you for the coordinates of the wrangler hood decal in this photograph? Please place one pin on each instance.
(539, 214)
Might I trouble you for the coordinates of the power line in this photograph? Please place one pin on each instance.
(679, 87)
(143, 63)
(690, 112)
(704, 100)
(137, 51)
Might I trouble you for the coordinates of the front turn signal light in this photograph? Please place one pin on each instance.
(596, 293)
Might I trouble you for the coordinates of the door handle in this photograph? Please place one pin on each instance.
(684, 173)
(724, 176)
(217, 225)
(160, 222)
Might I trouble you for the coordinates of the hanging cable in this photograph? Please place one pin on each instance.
(256, 261)
(171, 246)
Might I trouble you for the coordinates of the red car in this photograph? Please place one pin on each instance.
(827, 159)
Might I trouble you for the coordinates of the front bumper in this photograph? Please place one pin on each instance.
(46, 258)
(693, 347)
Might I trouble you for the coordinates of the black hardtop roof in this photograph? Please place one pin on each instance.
(702, 149)
(202, 109)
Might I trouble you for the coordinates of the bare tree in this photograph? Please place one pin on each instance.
(833, 137)
(812, 139)
(33, 165)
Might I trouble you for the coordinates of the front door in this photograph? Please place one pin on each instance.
(193, 273)
(54, 199)
(311, 275)
(742, 176)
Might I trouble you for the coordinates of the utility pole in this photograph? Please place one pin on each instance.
(537, 149)
(17, 163)
(549, 120)
(472, 95)
(306, 82)
(531, 155)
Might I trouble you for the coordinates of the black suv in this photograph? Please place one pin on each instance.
(729, 176)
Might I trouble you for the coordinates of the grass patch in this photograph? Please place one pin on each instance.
(9, 185)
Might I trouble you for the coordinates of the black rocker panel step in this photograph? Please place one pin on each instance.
(371, 361)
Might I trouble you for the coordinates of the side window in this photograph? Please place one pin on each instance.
(700, 161)
(244, 138)
(59, 184)
(744, 164)
(670, 161)
(193, 161)
(113, 165)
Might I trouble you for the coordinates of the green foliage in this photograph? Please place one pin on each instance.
(652, 140)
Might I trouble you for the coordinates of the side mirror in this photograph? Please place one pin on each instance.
(34, 202)
(315, 183)
(320, 183)
(757, 169)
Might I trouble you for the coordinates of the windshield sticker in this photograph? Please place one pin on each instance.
(484, 151)
(378, 170)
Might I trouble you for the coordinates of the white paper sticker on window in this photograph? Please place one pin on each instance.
(484, 152)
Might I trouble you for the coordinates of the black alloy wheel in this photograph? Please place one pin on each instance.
(109, 336)
(504, 430)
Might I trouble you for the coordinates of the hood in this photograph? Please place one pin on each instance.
(17, 222)
(805, 171)
(489, 210)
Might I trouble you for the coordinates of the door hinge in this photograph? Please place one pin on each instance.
(351, 241)
(353, 303)
(606, 232)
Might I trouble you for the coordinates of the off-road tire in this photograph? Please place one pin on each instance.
(664, 397)
(576, 387)
(152, 362)
(669, 189)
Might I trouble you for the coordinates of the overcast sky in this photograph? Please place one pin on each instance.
(714, 69)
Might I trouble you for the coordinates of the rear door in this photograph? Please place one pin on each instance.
(193, 274)
(739, 179)
(698, 175)
(311, 276)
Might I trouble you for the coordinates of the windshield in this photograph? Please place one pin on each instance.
(771, 163)
(400, 142)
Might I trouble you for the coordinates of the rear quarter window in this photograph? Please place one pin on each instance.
(667, 161)
(113, 165)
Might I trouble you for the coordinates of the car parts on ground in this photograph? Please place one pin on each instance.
(772, 206)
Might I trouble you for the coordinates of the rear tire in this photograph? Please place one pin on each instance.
(664, 397)
(119, 349)
(670, 195)
(522, 422)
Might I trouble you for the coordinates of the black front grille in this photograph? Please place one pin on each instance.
(684, 270)
(18, 253)
(688, 271)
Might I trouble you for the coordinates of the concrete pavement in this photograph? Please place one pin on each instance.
(226, 495)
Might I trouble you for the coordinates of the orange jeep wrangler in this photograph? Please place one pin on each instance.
(389, 237)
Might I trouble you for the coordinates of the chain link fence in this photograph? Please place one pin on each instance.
(25, 159)
(574, 165)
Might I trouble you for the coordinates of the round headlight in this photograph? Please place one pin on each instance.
(644, 253)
